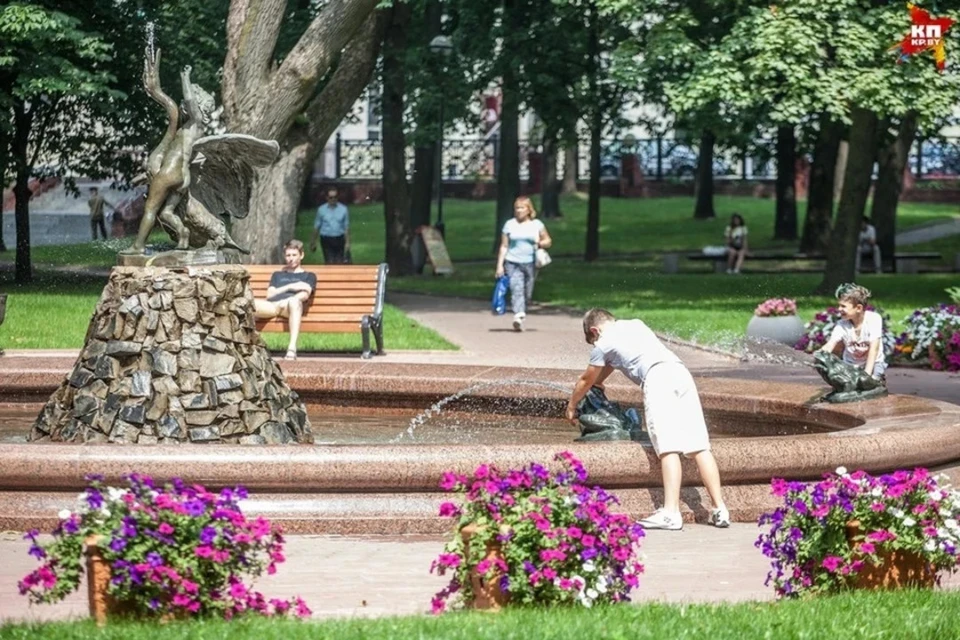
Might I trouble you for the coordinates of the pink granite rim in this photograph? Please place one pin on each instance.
(881, 435)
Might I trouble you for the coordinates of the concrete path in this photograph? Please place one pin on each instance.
(928, 232)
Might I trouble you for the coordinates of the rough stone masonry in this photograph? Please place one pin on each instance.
(173, 355)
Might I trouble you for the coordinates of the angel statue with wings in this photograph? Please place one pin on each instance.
(195, 178)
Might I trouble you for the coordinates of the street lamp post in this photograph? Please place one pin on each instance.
(442, 46)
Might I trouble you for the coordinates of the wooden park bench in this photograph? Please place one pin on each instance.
(904, 262)
(348, 299)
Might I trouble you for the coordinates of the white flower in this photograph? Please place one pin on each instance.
(876, 492)
(114, 494)
(841, 471)
(950, 523)
(589, 567)
(64, 514)
(579, 581)
(585, 600)
(896, 513)
(592, 594)
(601, 585)
(930, 545)
(908, 522)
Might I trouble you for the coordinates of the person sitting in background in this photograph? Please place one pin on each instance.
(868, 245)
(736, 237)
(288, 291)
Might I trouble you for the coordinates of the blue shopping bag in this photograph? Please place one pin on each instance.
(499, 301)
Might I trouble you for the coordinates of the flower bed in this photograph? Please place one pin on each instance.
(932, 333)
(809, 538)
(776, 307)
(557, 540)
(173, 550)
(817, 331)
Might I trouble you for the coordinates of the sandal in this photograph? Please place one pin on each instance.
(291, 355)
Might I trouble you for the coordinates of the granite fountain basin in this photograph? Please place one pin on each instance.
(359, 477)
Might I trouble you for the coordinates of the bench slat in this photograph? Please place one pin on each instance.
(355, 290)
(307, 326)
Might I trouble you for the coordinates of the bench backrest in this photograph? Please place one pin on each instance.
(344, 294)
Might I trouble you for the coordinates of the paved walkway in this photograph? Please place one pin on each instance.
(350, 576)
(928, 232)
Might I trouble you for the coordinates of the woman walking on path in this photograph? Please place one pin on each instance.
(520, 239)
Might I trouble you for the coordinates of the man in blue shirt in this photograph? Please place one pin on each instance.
(332, 226)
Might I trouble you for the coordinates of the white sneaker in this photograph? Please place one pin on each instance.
(518, 322)
(720, 518)
(663, 519)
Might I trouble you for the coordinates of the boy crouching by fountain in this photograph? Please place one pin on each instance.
(860, 332)
(671, 407)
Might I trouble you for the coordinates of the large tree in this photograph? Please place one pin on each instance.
(297, 97)
(52, 76)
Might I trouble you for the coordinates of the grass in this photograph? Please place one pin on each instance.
(911, 615)
(691, 305)
(626, 226)
(706, 308)
(54, 312)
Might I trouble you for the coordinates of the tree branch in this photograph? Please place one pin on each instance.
(253, 27)
(291, 86)
(350, 78)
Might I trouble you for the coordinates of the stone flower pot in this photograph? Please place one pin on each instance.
(784, 329)
(898, 569)
(487, 594)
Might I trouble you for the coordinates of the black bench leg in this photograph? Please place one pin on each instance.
(378, 334)
(365, 333)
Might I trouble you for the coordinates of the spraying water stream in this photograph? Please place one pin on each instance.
(438, 406)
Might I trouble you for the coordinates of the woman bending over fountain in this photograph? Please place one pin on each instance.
(671, 407)
(522, 236)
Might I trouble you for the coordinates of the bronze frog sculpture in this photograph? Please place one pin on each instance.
(850, 383)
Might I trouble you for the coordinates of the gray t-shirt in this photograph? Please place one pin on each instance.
(283, 278)
(631, 347)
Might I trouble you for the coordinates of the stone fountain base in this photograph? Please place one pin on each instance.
(173, 355)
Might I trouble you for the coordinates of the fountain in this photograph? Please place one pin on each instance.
(354, 480)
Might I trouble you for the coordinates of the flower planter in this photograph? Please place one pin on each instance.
(898, 569)
(784, 329)
(102, 604)
(487, 594)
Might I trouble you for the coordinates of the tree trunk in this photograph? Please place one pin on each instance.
(816, 226)
(274, 203)
(23, 120)
(425, 156)
(892, 159)
(550, 198)
(703, 207)
(508, 176)
(571, 156)
(785, 222)
(284, 101)
(592, 251)
(844, 237)
(396, 199)
(593, 197)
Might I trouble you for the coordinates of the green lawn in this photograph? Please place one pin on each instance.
(706, 307)
(863, 616)
(53, 313)
(626, 226)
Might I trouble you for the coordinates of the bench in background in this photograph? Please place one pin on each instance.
(348, 299)
(904, 262)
